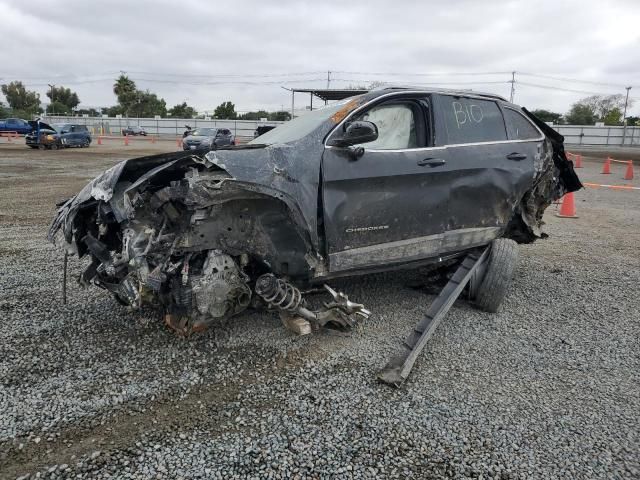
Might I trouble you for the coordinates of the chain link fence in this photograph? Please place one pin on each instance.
(243, 129)
(591, 135)
(162, 127)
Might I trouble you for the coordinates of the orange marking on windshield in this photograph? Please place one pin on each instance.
(344, 111)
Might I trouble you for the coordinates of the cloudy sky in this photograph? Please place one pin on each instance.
(207, 52)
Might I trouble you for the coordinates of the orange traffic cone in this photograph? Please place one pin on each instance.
(578, 162)
(178, 142)
(606, 168)
(568, 207)
(99, 140)
(629, 173)
(153, 139)
(126, 139)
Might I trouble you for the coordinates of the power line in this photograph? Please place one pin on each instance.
(574, 80)
(426, 74)
(551, 87)
(228, 75)
(396, 82)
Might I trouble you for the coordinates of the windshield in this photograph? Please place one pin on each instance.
(299, 127)
(204, 132)
(61, 126)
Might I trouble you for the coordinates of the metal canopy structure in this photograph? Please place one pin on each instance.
(330, 94)
(324, 94)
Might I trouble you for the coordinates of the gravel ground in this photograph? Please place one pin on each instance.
(547, 388)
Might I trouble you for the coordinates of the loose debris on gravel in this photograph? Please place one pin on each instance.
(547, 388)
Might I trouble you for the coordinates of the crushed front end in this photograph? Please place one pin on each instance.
(178, 232)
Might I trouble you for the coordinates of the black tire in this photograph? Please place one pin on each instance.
(499, 270)
(53, 146)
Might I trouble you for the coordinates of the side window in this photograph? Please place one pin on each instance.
(12, 121)
(471, 120)
(520, 128)
(396, 124)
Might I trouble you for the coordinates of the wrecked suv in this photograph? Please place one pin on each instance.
(393, 178)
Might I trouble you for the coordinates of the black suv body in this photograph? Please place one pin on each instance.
(391, 179)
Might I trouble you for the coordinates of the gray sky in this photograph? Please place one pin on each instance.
(201, 51)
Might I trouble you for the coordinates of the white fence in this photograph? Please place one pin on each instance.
(573, 134)
(173, 127)
(590, 135)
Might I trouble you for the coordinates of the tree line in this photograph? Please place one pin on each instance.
(607, 109)
(133, 102)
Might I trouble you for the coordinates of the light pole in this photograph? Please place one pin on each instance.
(52, 109)
(624, 116)
(292, 100)
(513, 82)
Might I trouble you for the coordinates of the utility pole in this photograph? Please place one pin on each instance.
(328, 78)
(513, 82)
(292, 99)
(624, 116)
(51, 97)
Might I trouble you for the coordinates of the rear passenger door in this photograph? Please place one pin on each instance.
(492, 169)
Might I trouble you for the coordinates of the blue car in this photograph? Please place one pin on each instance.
(17, 125)
(60, 135)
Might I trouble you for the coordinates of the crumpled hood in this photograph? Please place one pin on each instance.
(290, 173)
(103, 186)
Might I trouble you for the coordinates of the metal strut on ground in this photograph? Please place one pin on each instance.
(399, 367)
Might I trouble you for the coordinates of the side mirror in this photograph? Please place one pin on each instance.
(355, 133)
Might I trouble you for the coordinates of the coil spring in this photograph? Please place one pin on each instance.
(278, 293)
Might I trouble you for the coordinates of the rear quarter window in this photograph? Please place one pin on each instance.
(470, 120)
(519, 126)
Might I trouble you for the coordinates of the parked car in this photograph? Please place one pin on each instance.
(58, 135)
(21, 127)
(134, 130)
(262, 129)
(395, 178)
(208, 139)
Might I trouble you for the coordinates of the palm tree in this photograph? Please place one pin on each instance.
(125, 90)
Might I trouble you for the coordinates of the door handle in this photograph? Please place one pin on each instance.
(516, 156)
(432, 162)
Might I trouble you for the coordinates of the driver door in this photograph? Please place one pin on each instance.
(389, 205)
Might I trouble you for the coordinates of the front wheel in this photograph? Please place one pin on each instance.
(491, 289)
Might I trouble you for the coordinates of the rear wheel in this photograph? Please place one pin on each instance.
(489, 291)
(54, 146)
